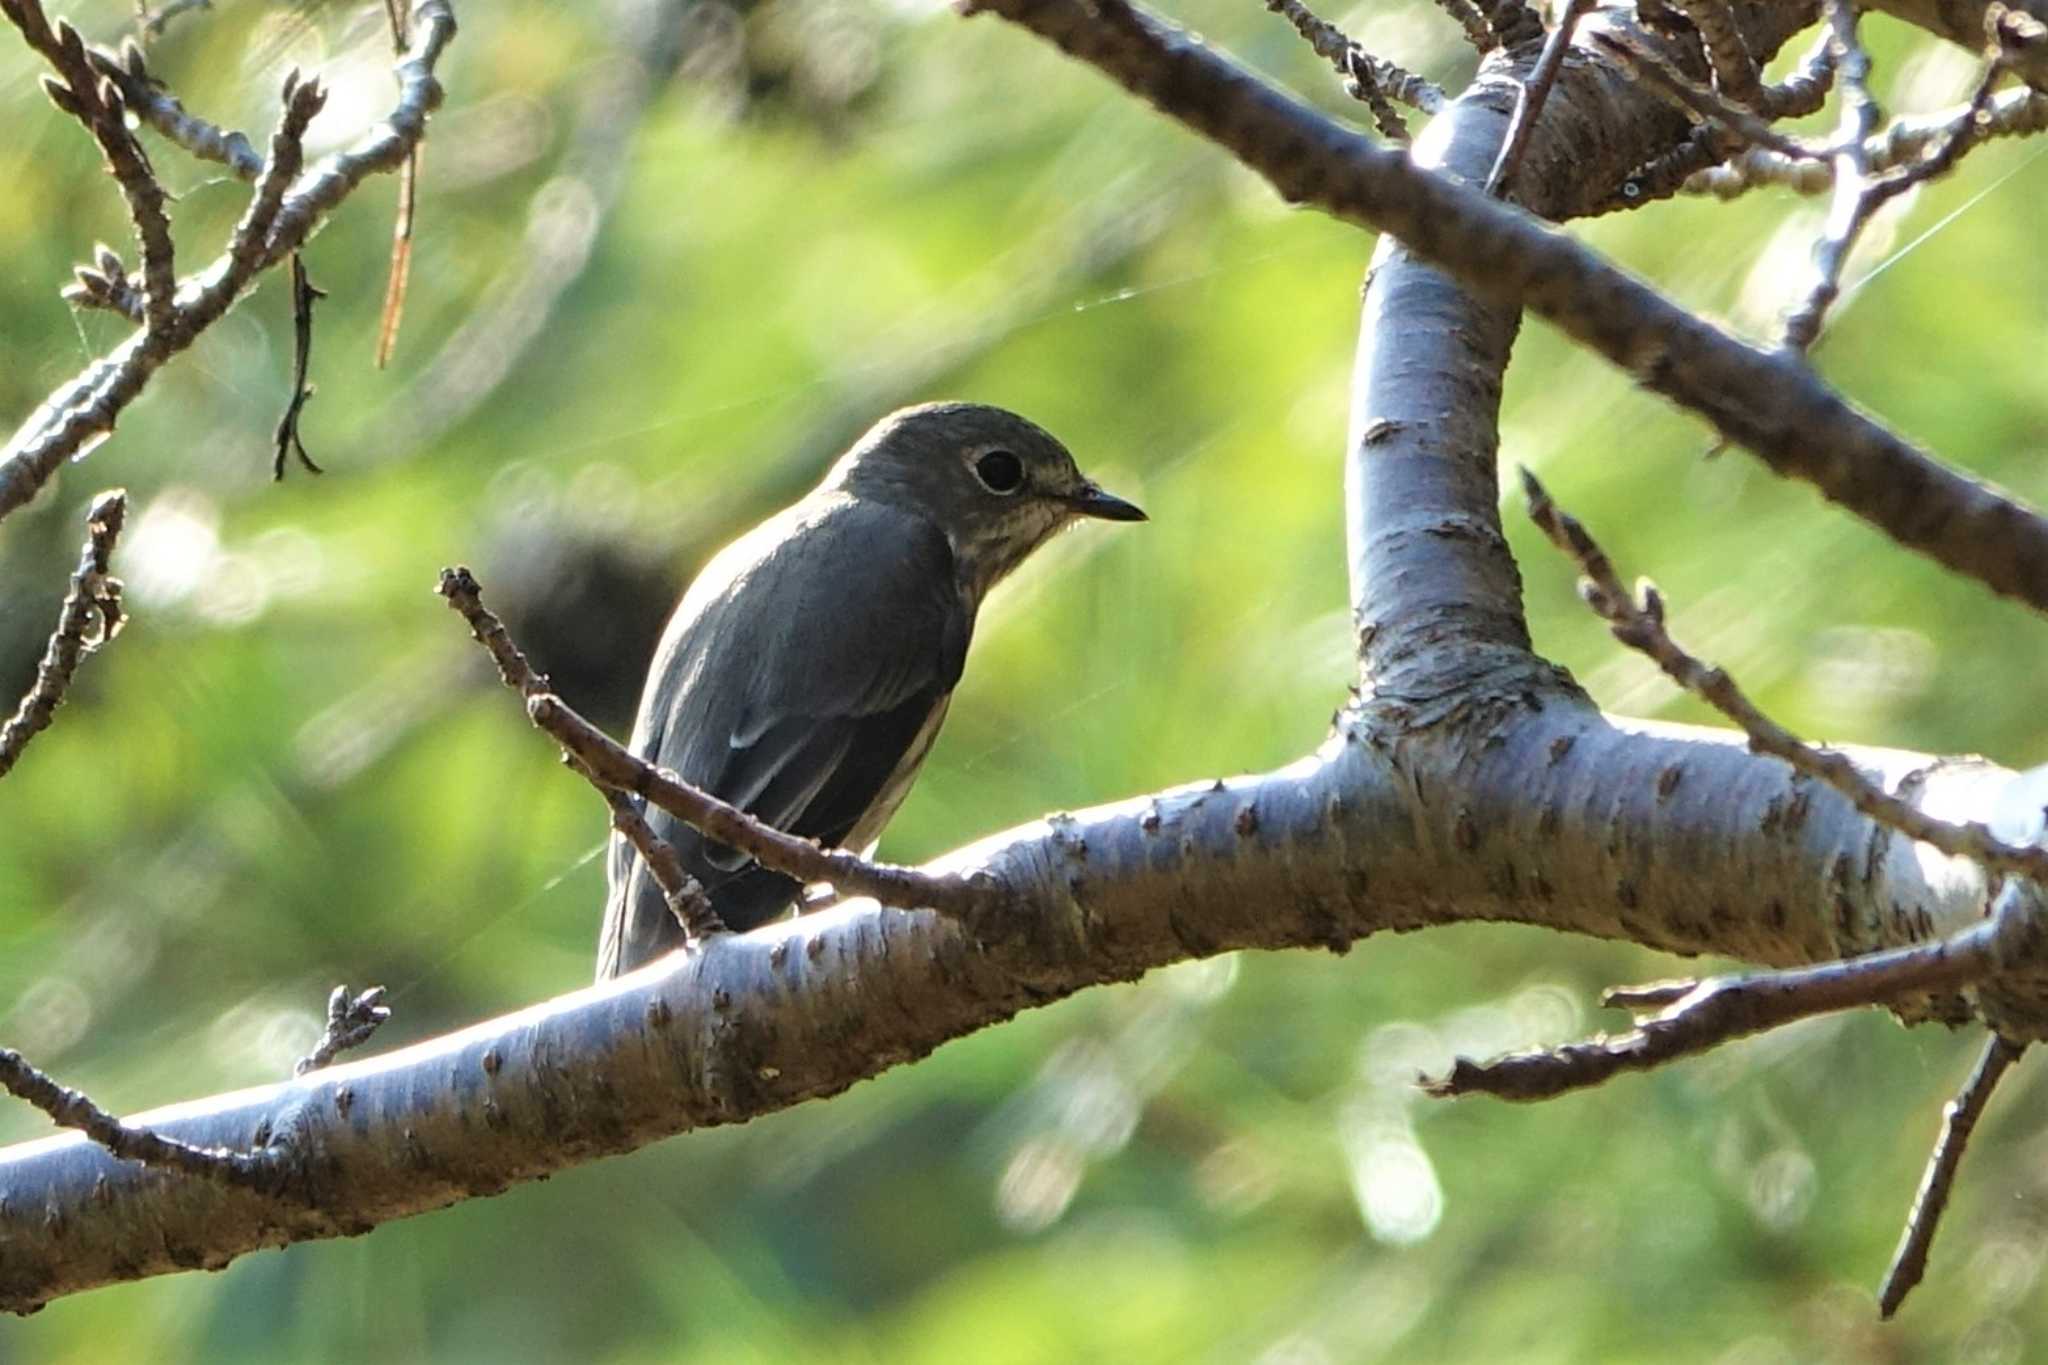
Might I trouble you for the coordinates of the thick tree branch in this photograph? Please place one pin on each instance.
(1540, 813)
(1769, 402)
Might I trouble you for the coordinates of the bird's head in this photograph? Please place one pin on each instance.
(997, 484)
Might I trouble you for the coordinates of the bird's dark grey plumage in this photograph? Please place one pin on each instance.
(806, 671)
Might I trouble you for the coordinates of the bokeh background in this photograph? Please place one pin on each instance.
(670, 258)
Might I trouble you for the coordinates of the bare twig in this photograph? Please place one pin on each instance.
(1958, 1119)
(1859, 190)
(2010, 113)
(84, 410)
(262, 1169)
(1362, 83)
(91, 616)
(1652, 995)
(351, 1019)
(1805, 88)
(1663, 176)
(79, 91)
(609, 763)
(302, 101)
(1531, 96)
(1709, 106)
(1366, 78)
(304, 295)
(1721, 1009)
(1640, 626)
(1477, 34)
(1852, 204)
(105, 284)
(156, 106)
(1735, 73)
(685, 895)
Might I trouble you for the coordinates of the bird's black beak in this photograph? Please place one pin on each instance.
(1091, 501)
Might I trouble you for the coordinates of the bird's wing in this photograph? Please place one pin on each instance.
(837, 634)
(841, 686)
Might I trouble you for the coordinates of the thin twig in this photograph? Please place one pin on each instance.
(1640, 626)
(2011, 113)
(1663, 176)
(1366, 77)
(1860, 190)
(161, 110)
(105, 284)
(1709, 106)
(609, 763)
(1362, 83)
(1469, 19)
(85, 409)
(1851, 204)
(79, 91)
(92, 615)
(1721, 1009)
(304, 296)
(351, 1019)
(262, 1169)
(1735, 73)
(1531, 96)
(685, 895)
(1805, 88)
(1958, 1119)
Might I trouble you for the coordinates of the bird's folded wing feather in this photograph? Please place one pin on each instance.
(839, 640)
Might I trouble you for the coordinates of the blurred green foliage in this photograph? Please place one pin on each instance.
(293, 769)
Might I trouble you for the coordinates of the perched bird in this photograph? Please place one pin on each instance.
(804, 675)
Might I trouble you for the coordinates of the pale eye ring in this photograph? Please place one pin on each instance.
(999, 471)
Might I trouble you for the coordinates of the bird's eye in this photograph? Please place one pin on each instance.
(1000, 471)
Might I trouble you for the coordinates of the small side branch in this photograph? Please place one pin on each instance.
(1532, 95)
(92, 615)
(1735, 73)
(262, 1169)
(351, 1019)
(1639, 624)
(1860, 189)
(611, 765)
(1367, 78)
(287, 440)
(160, 109)
(1477, 34)
(1707, 105)
(79, 91)
(287, 210)
(1721, 1009)
(1958, 1120)
(686, 898)
(2010, 113)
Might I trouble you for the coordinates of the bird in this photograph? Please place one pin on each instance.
(808, 667)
